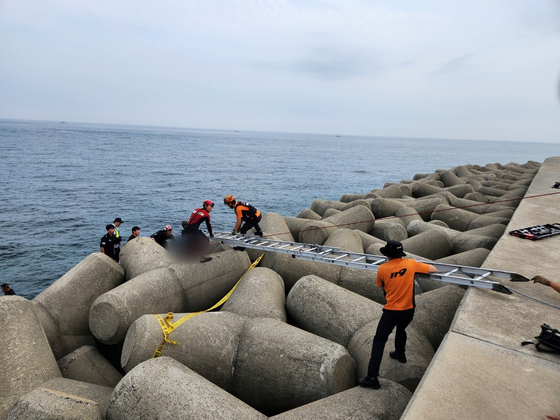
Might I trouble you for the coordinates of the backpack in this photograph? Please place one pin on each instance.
(251, 213)
(549, 338)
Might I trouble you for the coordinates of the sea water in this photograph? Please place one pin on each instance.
(62, 183)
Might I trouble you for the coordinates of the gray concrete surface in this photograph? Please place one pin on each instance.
(163, 388)
(88, 365)
(26, 357)
(481, 371)
(60, 307)
(357, 403)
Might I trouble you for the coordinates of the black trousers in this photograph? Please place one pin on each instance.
(389, 320)
(253, 223)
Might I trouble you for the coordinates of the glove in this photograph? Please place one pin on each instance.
(541, 280)
(211, 235)
(233, 232)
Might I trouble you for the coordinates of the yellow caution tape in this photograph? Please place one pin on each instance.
(167, 326)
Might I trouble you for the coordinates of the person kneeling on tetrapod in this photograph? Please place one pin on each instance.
(396, 279)
(196, 241)
(245, 212)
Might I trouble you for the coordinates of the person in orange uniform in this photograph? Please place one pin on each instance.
(246, 214)
(396, 278)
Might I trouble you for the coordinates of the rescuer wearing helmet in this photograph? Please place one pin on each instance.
(164, 235)
(196, 240)
(245, 212)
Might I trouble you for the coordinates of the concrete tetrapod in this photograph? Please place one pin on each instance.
(60, 307)
(407, 215)
(358, 217)
(387, 403)
(273, 224)
(320, 205)
(330, 212)
(328, 310)
(268, 364)
(27, 358)
(296, 225)
(462, 241)
(345, 239)
(259, 295)
(464, 220)
(62, 399)
(315, 231)
(207, 344)
(143, 254)
(280, 367)
(388, 230)
(292, 269)
(88, 365)
(178, 288)
(163, 388)
(385, 207)
(308, 214)
(431, 244)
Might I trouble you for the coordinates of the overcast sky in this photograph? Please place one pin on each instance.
(478, 69)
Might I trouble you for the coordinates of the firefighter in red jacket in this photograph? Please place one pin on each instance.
(196, 241)
(246, 214)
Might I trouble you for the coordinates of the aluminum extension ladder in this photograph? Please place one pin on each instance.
(457, 274)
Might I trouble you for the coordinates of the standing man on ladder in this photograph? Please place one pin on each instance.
(245, 212)
(396, 279)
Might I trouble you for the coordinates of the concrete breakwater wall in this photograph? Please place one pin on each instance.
(289, 343)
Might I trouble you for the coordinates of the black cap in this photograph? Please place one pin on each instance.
(393, 249)
(109, 227)
(118, 220)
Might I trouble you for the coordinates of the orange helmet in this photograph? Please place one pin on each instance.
(229, 199)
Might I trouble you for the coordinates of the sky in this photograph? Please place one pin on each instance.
(479, 69)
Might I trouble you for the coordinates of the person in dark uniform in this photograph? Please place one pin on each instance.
(163, 236)
(108, 242)
(6, 289)
(135, 233)
(196, 242)
(246, 214)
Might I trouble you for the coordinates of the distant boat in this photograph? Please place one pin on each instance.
(338, 135)
(62, 122)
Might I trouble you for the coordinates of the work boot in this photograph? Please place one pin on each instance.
(368, 382)
(205, 259)
(398, 356)
(259, 233)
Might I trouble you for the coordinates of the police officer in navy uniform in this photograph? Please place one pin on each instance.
(108, 243)
(135, 233)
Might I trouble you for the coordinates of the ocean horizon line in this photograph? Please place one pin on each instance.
(223, 130)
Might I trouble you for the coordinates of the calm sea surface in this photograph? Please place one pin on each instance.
(63, 182)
